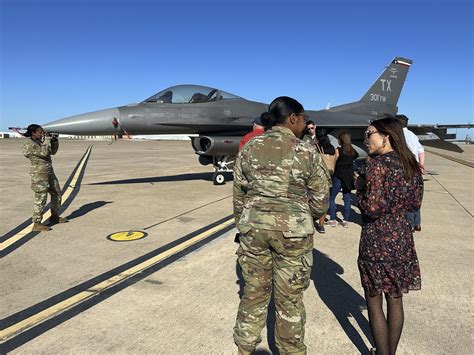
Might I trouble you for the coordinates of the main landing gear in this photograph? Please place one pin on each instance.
(222, 169)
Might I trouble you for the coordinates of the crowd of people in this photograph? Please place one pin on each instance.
(282, 195)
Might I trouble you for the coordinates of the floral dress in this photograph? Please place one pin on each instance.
(387, 256)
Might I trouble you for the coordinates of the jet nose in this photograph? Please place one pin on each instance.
(92, 123)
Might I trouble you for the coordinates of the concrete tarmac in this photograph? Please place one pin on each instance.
(187, 303)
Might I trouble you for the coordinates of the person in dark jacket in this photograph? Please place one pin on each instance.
(325, 147)
(342, 179)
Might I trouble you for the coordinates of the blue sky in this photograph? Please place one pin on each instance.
(61, 58)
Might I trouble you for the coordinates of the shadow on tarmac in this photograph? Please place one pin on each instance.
(355, 216)
(169, 178)
(88, 207)
(342, 300)
(153, 179)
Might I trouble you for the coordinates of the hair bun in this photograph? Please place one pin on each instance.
(31, 129)
(268, 119)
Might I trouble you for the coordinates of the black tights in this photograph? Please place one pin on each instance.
(386, 331)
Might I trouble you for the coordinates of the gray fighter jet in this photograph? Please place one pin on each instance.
(220, 119)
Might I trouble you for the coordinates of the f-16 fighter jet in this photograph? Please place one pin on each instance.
(218, 119)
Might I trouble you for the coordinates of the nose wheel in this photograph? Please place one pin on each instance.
(218, 178)
(222, 169)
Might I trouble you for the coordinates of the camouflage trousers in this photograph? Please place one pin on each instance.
(268, 257)
(43, 184)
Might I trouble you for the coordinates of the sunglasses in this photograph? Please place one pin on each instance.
(369, 133)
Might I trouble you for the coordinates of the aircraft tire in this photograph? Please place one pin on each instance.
(218, 178)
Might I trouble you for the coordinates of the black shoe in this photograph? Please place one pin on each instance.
(237, 238)
(417, 228)
(55, 219)
(320, 229)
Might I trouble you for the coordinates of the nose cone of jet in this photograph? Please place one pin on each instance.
(93, 123)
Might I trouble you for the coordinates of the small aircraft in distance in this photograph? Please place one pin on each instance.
(219, 119)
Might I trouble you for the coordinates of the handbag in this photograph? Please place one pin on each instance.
(329, 160)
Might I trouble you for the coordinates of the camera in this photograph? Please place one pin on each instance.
(52, 135)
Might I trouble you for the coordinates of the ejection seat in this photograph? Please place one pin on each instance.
(198, 97)
(166, 98)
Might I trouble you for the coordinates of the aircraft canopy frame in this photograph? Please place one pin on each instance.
(189, 94)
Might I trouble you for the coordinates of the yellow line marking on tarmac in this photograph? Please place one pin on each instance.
(104, 285)
(21, 234)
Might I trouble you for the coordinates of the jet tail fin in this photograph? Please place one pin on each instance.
(387, 88)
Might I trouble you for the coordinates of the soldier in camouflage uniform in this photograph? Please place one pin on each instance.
(38, 149)
(281, 186)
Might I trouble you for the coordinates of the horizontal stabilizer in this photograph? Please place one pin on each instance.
(441, 144)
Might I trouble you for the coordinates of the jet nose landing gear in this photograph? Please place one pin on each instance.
(222, 170)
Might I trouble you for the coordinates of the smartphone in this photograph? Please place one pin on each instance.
(358, 166)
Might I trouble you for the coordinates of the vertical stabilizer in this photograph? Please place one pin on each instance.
(387, 88)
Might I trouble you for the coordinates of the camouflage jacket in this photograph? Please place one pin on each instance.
(309, 139)
(280, 183)
(39, 154)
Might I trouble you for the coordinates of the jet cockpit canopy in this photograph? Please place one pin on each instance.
(189, 94)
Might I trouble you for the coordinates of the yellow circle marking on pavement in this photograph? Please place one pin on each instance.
(127, 236)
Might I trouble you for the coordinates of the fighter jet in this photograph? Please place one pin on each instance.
(219, 119)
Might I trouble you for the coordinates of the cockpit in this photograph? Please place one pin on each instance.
(189, 94)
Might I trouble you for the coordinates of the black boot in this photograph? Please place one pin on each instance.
(54, 219)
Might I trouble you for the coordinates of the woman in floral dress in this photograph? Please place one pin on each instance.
(391, 185)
